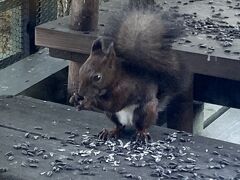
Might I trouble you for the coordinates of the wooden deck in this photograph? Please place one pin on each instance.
(178, 155)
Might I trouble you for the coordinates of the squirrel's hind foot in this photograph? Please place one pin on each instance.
(109, 134)
(142, 137)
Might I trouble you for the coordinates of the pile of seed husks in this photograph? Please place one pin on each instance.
(215, 26)
(216, 29)
(171, 158)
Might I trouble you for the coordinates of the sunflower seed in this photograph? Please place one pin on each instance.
(131, 176)
(38, 128)
(23, 164)
(11, 158)
(3, 169)
(27, 135)
(32, 165)
(30, 160)
(87, 173)
(122, 171)
(10, 153)
(49, 173)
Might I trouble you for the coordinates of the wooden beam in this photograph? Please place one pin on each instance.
(76, 57)
(214, 90)
(58, 35)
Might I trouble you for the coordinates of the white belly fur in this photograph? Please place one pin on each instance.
(125, 116)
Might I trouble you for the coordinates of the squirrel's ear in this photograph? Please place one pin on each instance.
(97, 45)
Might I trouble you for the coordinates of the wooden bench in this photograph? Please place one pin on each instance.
(37, 136)
(216, 75)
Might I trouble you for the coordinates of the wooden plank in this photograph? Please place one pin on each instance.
(219, 91)
(226, 127)
(215, 116)
(58, 35)
(217, 64)
(23, 74)
(210, 109)
(22, 114)
(61, 54)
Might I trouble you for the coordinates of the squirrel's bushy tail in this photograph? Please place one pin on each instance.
(144, 38)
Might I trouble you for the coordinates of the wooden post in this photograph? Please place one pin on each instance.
(180, 112)
(84, 17)
(185, 115)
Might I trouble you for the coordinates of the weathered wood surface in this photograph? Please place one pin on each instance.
(19, 115)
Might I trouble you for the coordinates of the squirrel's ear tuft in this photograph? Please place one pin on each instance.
(111, 56)
(111, 50)
(97, 45)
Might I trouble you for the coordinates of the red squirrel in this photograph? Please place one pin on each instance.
(136, 75)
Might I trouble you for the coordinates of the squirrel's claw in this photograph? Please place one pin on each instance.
(106, 134)
(143, 137)
(103, 135)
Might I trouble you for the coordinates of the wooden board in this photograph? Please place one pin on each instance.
(226, 127)
(58, 35)
(21, 114)
(26, 73)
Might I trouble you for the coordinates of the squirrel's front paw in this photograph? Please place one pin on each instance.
(81, 103)
(75, 99)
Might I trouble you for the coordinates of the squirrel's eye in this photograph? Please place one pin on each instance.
(97, 77)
